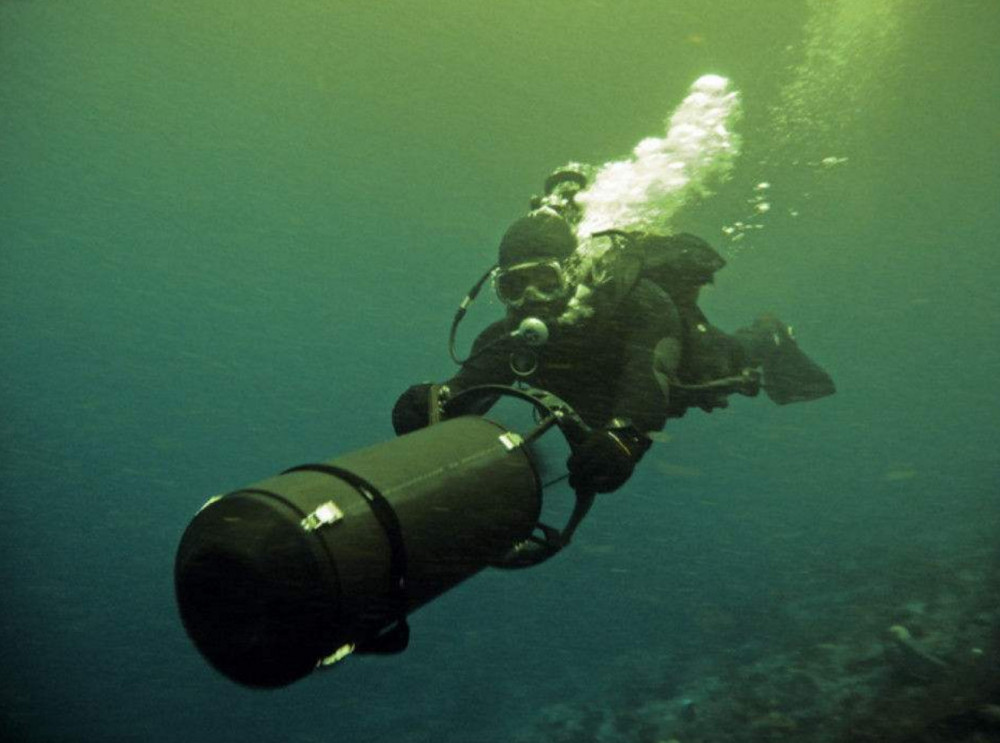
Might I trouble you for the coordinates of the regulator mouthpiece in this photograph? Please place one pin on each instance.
(532, 331)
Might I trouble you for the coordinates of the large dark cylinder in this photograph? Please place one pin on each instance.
(275, 577)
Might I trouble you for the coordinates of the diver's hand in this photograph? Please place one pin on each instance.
(412, 410)
(604, 461)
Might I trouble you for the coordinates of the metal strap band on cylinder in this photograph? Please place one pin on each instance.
(387, 519)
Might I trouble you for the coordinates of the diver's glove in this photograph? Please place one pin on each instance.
(410, 412)
(605, 459)
(418, 407)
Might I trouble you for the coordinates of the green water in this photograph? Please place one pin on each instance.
(232, 232)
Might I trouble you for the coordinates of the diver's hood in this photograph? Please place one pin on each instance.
(541, 236)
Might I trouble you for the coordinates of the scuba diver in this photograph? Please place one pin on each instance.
(602, 338)
(610, 323)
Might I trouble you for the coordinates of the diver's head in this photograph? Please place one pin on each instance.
(532, 277)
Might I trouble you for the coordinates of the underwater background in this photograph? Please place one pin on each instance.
(231, 233)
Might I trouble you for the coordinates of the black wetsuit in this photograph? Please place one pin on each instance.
(604, 366)
(646, 354)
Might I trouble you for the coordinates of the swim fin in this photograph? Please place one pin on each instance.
(789, 375)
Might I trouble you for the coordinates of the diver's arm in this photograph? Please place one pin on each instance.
(652, 350)
(604, 461)
(419, 405)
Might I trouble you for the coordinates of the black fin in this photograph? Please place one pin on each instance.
(791, 376)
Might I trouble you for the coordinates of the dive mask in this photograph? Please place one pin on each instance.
(530, 281)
